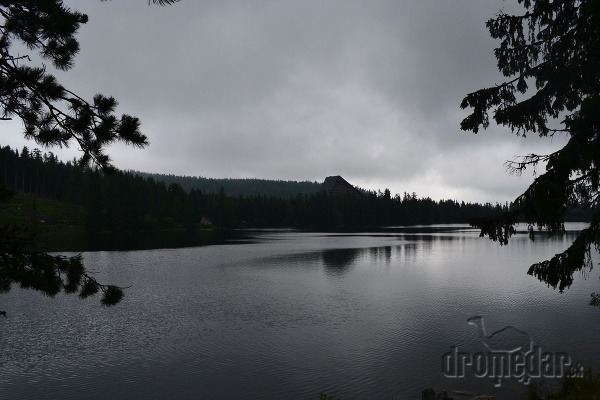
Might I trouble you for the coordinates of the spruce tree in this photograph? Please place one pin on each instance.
(550, 56)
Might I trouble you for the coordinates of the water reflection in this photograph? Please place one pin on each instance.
(410, 251)
(338, 261)
(145, 240)
(341, 261)
(289, 315)
(379, 255)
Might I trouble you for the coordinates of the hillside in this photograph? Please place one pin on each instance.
(237, 187)
(53, 223)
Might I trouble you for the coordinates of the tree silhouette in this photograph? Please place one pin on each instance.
(550, 56)
(53, 115)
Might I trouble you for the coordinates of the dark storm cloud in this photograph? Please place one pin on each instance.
(304, 89)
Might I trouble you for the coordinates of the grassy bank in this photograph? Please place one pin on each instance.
(49, 220)
(60, 226)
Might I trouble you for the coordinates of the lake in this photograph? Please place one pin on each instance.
(287, 315)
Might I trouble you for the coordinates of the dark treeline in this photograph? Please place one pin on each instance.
(237, 187)
(121, 201)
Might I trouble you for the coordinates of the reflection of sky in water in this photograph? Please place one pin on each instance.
(288, 315)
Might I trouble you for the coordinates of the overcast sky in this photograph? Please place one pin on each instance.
(300, 90)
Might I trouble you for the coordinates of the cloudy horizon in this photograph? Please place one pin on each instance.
(303, 90)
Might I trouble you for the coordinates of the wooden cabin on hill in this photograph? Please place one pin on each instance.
(336, 186)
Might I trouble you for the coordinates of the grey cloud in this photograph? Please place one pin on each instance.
(304, 89)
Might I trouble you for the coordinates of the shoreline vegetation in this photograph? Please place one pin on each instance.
(586, 388)
(66, 205)
(54, 199)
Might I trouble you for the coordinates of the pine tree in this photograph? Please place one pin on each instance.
(53, 115)
(550, 56)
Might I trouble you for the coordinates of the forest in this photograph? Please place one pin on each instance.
(130, 201)
(236, 187)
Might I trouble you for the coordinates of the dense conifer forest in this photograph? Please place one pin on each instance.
(129, 201)
(237, 187)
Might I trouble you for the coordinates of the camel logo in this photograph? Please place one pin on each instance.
(508, 339)
(511, 353)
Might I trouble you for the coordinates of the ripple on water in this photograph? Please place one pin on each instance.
(288, 316)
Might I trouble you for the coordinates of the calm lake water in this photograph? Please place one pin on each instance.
(286, 315)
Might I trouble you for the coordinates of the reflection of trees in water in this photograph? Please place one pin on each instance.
(423, 244)
(410, 250)
(341, 259)
(379, 254)
(152, 240)
(337, 261)
(419, 245)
